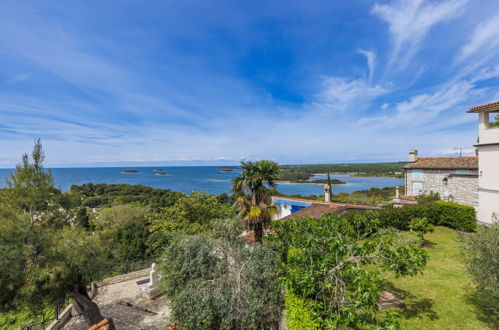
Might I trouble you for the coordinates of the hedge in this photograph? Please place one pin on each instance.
(440, 213)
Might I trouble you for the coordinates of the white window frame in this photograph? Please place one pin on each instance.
(417, 174)
(417, 188)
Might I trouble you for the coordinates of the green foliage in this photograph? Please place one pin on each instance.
(421, 226)
(439, 213)
(31, 187)
(42, 259)
(372, 196)
(190, 214)
(129, 240)
(106, 195)
(428, 198)
(494, 122)
(216, 282)
(118, 215)
(481, 251)
(298, 313)
(305, 172)
(82, 219)
(337, 265)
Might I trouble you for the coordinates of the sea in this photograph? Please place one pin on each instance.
(186, 179)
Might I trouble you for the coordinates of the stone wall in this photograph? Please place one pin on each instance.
(459, 188)
(463, 189)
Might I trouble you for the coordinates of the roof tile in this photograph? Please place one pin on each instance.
(454, 163)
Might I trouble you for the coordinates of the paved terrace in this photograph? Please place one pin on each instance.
(118, 298)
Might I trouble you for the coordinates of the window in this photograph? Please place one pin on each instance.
(417, 188)
(417, 174)
(462, 172)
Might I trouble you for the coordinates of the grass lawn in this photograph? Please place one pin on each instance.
(443, 297)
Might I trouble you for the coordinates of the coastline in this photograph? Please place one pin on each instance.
(312, 183)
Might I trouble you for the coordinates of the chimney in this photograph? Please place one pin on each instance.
(327, 193)
(413, 155)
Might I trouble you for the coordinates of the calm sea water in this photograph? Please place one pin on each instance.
(187, 179)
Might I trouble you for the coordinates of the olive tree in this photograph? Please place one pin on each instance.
(481, 251)
(215, 281)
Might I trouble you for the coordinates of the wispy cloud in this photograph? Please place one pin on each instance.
(484, 40)
(411, 20)
(370, 58)
(17, 78)
(341, 94)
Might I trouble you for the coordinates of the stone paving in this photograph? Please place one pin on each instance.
(122, 302)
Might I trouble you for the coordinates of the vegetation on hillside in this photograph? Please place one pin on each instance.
(302, 173)
(106, 195)
(327, 273)
(372, 196)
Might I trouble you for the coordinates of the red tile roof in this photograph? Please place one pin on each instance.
(485, 107)
(315, 211)
(447, 163)
(318, 208)
(328, 203)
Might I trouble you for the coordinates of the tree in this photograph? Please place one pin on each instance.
(82, 219)
(481, 251)
(421, 226)
(215, 282)
(42, 260)
(337, 266)
(190, 214)
(30, 187)
(252, 197)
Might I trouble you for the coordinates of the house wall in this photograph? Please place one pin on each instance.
(461, 189)
(488, 161)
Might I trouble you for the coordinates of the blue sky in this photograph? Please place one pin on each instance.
(213, 82)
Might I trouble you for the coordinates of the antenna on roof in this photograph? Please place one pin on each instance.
(460, 151)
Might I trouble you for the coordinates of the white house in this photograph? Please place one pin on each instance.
(488, 163)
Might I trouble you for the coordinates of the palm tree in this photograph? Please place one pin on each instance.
(252, 190)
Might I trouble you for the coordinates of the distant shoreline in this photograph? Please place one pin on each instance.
(313, 183)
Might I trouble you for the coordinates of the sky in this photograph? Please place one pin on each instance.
(109, 83)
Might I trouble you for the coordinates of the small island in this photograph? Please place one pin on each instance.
(130, 171)
(228, 168)
(158, 170)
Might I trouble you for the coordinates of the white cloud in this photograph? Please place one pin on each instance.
(410, 21)
(370, 57)
(485, 40)
(17, 78)
(340, 94)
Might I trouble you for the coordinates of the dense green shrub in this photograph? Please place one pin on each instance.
(439, 213)
(481, 250)
(215, 282)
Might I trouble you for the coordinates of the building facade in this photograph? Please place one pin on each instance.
(488, 160)
(455, 179)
